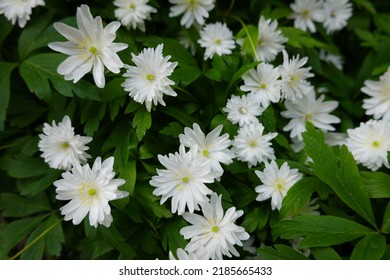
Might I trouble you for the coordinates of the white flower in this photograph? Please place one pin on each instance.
(215, 231)
(200, 254)
(309, 109)
(369, 143)
(306, 12)
(336, 60)
(133, 13)
(243, 109)
(89, 191)
(276, 182)
(264, 83)
(217, 39)
(183, 179)
(213, 148)
(60, 147)
(194, 11)
(147, 81)
(89, 47)
(270, 40)
(251, 146)
(294, 77)
(378, 104)
(19, 10)
(337, 13)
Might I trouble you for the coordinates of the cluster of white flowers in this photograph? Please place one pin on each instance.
(133, 13)
(333, 14)
(19, 10)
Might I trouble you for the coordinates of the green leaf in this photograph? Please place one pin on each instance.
(170, 234)
(93, 113)
(142, 122)
(116, 240)
(320, 231)
(180, 116)
(22, 166)
(181, 75)
(173, 129)
(5, 81)
(18, 206)
(6, 27)
(376, 183)
(370, 247)
(386, 220)
(343, 176)
(55, 237)
(368, 38)
(257, 218)
(150, 202)
(129, 173)
(325, 253)
(36, 185)
(366, 4)
(281, 252)
(238, 74)
(298, 38)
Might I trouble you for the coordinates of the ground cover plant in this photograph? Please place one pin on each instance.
(194, 129)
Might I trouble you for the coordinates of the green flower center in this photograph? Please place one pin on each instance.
(65, 145)
(263, 86)
(132, 6)
(375, 144)
(205, 153)
(185, 179)
(218, 41)
(93, 50)
(252, 143)
(91, 192)
(215, 229)
(150, 77)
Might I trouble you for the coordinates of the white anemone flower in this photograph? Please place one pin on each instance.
(309, 109)
(89, 47)
(264, 83)
(270, 40)
(336, 14)
(183, 179)
(89, 191)
(215, 231)
(19, 10)
(194, 11)
(243, 109)
(213, 148)
(370, 143)
(200, 254)
(133, 13)
(217, 38)
(148, 81)
(378, 103)
(306, 13)
(252, 146)
(294, 75)
(276, 182)
(60, 146)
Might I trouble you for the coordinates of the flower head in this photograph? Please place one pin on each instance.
(60, 147)
(213, 148)
(133, 13)
(306, 12)
(194, 11)
(270, 41)
(378, 104)
(251, 146)
(17, 10)
(90, 47)
(89, 191)
(147, 81)
(294, 83)
(309, 109)
(264, 83)
(276, 182)
(370, 143)
(183, 179)
(217, 39)
(215, 231)
(336, 14)
(243, 109)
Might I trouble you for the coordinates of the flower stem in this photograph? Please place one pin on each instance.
(249, 37)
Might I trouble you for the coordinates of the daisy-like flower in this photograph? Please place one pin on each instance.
(276, 182)
(213, 148)
(133, 13)
(309, 109)
(148, 81)
(89, 191)
(336, 60)
(215, 231)
(251, 146)
(336, 14)
(60, 147)
(264, 83)
(217, 39)
(89, 47)
(194, 11)
(183, 179)
(378, 104)
(200, 254)
(294, 83)
(306, 12)
(369, 143)
(243, 109)
(270, 41)
(19, 10)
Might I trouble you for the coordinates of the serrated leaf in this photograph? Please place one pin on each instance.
(325, 253)
(22, 166)
(142, 121)
(320, 231)
(370, 247)
(115, 239)
(55, 237)
(170, 236)
(376, 183)
(256, 219)
(281, 252)
(386, 220)
(129, 173)
(17, 206)
(5, 81)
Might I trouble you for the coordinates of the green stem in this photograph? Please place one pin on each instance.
(25, 248)
(249, 37)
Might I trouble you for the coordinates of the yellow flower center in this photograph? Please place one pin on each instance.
(132, 6)
(263, 86)
(185, 179)
(218, 41)
(205, 153)
(93, 50)
(88, 193)
(279, 186)
(242, 110)
(92, 192)
(150, 77)
(306, 13)
(215, 229)
(252, 143)
(375, 144)
(65, 145)
(308, 117)
(192, 4)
